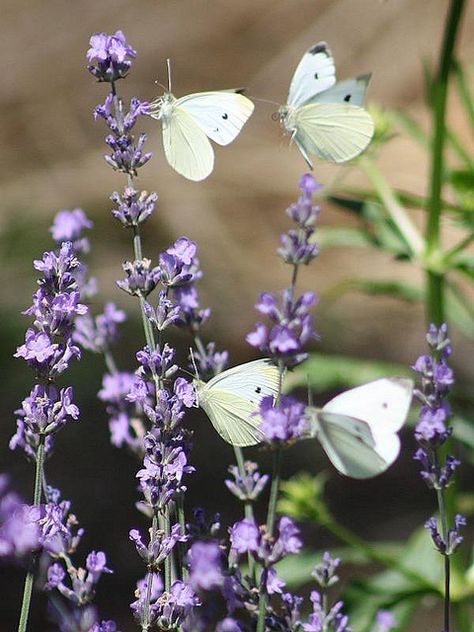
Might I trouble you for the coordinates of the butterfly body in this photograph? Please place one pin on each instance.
(232, 398)
(189, 122)
(326, 119)
(357, 429)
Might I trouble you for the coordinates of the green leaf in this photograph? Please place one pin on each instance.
(462, 181)
(464, 91)
(325, 372)
(413, 128)
(296, 569)
(460, 309)
(303, 498)
(397, 289)
(329, 237)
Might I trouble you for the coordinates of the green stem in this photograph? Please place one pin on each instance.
(248, 508)
(440, 91)
(146, 606)
(447, 561)
(181, 546)
(275, 487)
(357, 543)
(29, 579)
(397, 213)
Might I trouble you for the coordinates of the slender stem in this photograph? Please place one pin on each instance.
(146, 607)
(182, 570)
(357, 543)
(248, 508)
(435, 279)
(396, 211)
(440, 91)
(447, 561)
(274, 489)
(150, 340)
(262, 605)
(30, 575)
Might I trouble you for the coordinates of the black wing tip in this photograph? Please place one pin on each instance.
(320, 47)
(365, 78)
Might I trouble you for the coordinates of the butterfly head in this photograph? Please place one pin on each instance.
(162, 107)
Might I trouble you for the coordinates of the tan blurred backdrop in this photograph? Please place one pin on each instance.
(52, 149)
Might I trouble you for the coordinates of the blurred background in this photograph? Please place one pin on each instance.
(52, 159)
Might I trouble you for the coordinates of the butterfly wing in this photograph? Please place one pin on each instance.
(315, 72)
(330, 131)
(383, 404)
(232, 398)
(186, 146)
(350, 444)
(348, 91)
(220, 115)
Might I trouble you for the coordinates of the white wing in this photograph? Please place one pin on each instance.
(232, 398)
(331, 131)
(357, 428)
(221, 115)
(383, 404)
(348, 91)
(187, 148)
(351, 446)
(315, 72)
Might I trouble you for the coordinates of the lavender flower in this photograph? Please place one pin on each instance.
(112, 56)
(19, 530)
(325, 572)
(285, 422)
(292, 326)
(291, 322)
(68, 226)
(453, 539)
(249, 486)
(133, 207)
(205, 565)
(158, 549)
(141, 278)
(100, 333)
(384, 622)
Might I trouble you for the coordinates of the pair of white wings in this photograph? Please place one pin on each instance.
(232, 400)
(189, 122)
(326, 119)
(357, 429)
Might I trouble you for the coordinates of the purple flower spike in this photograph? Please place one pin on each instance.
(141, 277)
(133, 207)
(112, 56)
(205, 565)
(244, 536)
(285, 422)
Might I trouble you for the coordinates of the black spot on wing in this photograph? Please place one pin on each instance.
(225, 116)
(347, 98)
(316, 76)
(258, 390)
(318, 48)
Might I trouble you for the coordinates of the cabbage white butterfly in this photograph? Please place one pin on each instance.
(357, 429)
(188, 123)
(326, 119)
(231, 399)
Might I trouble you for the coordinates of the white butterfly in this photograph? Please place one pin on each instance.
(324, 118)
(232, 398)
(357, 429)
(189, 122)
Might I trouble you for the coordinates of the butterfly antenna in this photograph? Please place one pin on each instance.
(266, 101)
(194, 363)
(157, 83)
(168, 65)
